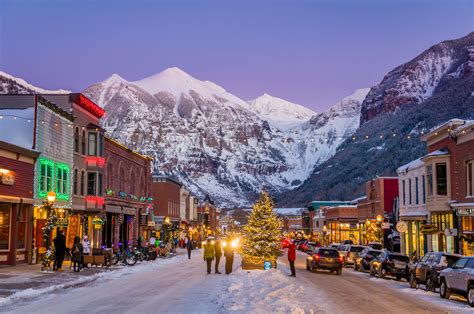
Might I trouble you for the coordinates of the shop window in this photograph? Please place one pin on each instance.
(92, 141)
(417, 198)
(409, 191)
(83, 142)
(404, 193)
(76, 140)
(91, 183)
(5, 211)
(45, 183)
(82, 182)
(470, 175)
(441, 179)
(21, 227)
(62, 181)
(429, 179)
(74, 185)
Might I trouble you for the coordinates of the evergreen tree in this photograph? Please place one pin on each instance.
(261, 235)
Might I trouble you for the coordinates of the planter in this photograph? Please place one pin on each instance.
(250, 263)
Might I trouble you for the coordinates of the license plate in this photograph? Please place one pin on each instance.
(400, 264)
(328, 259)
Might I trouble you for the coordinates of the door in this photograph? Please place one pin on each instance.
(455, 277)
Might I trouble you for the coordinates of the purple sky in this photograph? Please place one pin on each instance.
(309, 52)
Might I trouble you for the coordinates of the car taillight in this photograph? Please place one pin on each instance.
(341, 259)
(317, 256)
(348, 254)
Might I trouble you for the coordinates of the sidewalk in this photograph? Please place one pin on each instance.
(17, 279)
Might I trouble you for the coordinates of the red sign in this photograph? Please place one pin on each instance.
(90, 106)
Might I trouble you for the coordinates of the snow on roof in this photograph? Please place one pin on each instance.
(440, 152)
(414, 213)
(360, 198)
(289, 211)
(17, 126)
(414, 164)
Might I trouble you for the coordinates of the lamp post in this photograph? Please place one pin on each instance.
(325, 231)
(51, 220)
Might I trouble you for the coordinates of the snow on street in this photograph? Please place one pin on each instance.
(179, 285)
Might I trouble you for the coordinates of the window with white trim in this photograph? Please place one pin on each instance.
(470, 178)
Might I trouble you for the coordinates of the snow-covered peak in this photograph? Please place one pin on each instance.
(357, 96)
(279, 112)
(33, 88)
(177, 82)
(114, 79)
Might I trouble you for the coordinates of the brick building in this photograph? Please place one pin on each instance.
(342, 223)
(166, 199)
(127, 195)
(449, 180)
(17, 170)
(292, 219)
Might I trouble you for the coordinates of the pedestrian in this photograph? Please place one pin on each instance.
(139, 242)
(292, 258)
(229, 257)
(77, 252)
(60, 250)
(152, 242)
(86, 244)
(218, 254)
(189, 247)
(209, 253)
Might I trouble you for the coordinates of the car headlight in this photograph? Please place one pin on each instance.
(310, 258)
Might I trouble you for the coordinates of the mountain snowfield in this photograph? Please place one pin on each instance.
(216, 143)
(280, 113)
(14, 85)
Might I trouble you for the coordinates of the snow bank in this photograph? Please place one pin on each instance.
(270, 291)
(33, 293)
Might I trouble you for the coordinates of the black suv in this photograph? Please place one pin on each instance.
(325, 258)
(427, 270)
(390, 264)
(362, 262)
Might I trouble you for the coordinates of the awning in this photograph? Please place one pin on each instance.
(416, 215)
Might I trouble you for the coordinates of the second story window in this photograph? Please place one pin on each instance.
(424, 188)
(404, 193)
(74, 184)
(429, 179)
(91, 183)
(92, 141)
(409, 191)
(82, 182)
(76, 140)
(470, 177)
(83, 142)
(46, 176)
(417, 197)
(441, 179)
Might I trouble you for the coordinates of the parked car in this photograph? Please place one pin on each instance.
(300, 244)
(285, 243)
(362, 262)
(334, 245)
(458, 279)
(427, 270)
(390, 264)
(304, 246)
(350, 253)
(324, 258)
(375, 245)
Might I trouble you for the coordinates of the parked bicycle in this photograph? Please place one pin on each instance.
(127, 257)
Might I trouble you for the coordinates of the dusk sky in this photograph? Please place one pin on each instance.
(308, 52)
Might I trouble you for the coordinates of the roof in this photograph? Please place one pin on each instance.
(19, 150)
(445, 125)
(440, 152)
(166, 179)
(289, 211)
(126, 148)
(318, 204)
(414, 214)
(414, 164)
(360, 198)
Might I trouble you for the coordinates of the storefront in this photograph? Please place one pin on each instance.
(443, 237)
(413, 239)
(465, 220)
(343, 231)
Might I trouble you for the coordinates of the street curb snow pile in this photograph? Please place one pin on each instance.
(258, 291)
(31, 293)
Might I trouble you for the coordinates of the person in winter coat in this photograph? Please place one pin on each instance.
(218, 254)
(292, 258)
(60, 250)
(229, 258)
(77, 252)
(209, 253)
(86, 244)
(189, 247)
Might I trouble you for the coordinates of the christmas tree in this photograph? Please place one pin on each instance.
(261, 235)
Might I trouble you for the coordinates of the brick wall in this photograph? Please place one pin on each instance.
(166, 199)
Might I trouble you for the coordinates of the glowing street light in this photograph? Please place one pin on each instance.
(379, 218)
(51, 197)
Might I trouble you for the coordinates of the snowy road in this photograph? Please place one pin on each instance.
(358, 292)
(180, 285)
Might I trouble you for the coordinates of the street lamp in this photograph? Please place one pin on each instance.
(51, 197)
(379, 218)
(167, 220)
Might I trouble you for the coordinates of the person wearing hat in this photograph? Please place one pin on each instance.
(209, 253)
(86, 245)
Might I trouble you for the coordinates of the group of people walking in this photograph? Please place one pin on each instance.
(213, 250)
(77, 252)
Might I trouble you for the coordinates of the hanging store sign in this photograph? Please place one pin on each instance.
(429, 229)
(7, 177)
(402, 227)
(465, 211)
(451, 232)
(62, 222)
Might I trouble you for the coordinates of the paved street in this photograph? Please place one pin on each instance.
(179, 285)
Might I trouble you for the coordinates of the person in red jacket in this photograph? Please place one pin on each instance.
(292, 258)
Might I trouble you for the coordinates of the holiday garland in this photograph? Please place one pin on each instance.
(48, 257)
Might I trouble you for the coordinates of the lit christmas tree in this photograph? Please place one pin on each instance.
(262, 234)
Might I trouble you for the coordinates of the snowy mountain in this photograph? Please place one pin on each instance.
(13, 85)
(280, 113)
(417, 80)
(214, 142)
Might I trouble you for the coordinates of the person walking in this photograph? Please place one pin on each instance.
(229, 257)
(60, 250)
(292, 258)
(209, 253)
(218, 254)
(77, 253)
(86, 244)
(189, 247)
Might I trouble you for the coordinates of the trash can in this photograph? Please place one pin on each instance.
(107, 252)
